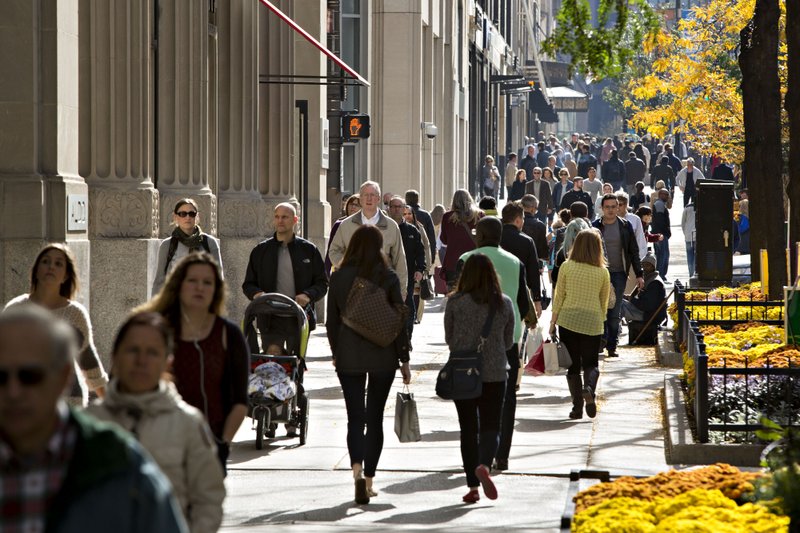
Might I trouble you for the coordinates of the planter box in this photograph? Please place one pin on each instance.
(679, 442)
(667, 350)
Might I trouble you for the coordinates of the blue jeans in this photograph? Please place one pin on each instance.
(662, 257)
(479, 420)
(618, 281)
(365, 447)
(689, 257)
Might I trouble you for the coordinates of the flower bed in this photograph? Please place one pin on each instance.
(747, 295)
(697, 500)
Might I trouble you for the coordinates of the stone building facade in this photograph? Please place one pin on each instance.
(115, 109)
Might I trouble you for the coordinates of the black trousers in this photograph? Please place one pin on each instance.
(509, 405)
(479, 420)
(583, 349)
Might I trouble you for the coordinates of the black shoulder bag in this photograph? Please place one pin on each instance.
(460, 378)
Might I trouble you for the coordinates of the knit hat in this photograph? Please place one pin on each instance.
(649, 259)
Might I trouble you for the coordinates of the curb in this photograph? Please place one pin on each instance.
(679, 442)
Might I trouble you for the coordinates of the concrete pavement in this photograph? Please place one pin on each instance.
(309, 488)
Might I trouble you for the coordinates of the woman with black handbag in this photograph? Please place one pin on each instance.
(579, 308)
(478, 302)
(362, 365)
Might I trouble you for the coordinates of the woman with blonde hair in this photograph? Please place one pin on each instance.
(187, 237)
(212, 359)
(54, 284)
(458, 225)
(580, 303)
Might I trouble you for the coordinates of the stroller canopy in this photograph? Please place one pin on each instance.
(270, 305)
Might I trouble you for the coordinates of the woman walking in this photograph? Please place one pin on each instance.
(187, 237)
(456, 233)
(212, 359)
(579, 309)
(351, 206)
(476, 296)
(54, 284)
(142, 402)
(361, 365)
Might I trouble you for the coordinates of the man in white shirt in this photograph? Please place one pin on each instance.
(370, 196)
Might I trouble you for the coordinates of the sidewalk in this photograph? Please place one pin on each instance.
(309, 488)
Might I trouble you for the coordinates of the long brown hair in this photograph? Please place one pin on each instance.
(479, 279)
(167, 301)
(70, 285)
(588, 248)
(365, 252)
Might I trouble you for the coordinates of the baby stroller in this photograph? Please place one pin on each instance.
(283, 402)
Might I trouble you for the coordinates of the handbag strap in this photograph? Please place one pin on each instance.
(487, 328)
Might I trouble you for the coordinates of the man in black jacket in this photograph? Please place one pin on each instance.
(522, 246)
(535, 228)
(415, 255)
(290, 265)
(642, 306)
(577, 194)
(412, 201)
(622, 254)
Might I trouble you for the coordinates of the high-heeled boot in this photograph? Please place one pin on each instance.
(576, 391)
(591, 375)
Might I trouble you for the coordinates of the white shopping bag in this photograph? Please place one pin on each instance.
(551, 366)
(535, 339)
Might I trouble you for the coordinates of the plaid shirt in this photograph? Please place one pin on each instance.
(29, 484)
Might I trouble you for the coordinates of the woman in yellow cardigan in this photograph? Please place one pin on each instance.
(579, 309)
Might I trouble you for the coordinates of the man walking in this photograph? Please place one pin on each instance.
(415, 256)
(541, 190)
(289, 265)
(424, 217)
(511, 274)
(535, 228)
(687, 179)
(370, 195)
(614, 171)
(529, 162)
(622, 254)
(593, 186)
(61, 470)
(635, 169)
(577, 194)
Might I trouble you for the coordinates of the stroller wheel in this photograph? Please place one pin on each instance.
(260, 423)
(271, 431)
(302, 403)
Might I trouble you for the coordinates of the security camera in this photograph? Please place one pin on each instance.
(431, 131)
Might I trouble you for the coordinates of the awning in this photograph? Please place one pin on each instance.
(539, 105)
(567, 99)
(310, 38)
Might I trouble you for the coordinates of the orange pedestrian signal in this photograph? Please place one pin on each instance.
(355, 127)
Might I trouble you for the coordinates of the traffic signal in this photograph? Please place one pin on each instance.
(355, 127)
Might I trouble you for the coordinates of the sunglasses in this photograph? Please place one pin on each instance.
(184, 214)
(27, 375)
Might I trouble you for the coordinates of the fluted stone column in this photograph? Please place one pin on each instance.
(396, 77)
(116, 157)
(242, 217)
(38, 145)
(182, 167)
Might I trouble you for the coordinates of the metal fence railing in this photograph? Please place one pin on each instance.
(731, 399)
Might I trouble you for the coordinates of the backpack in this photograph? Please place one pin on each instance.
(173, 247)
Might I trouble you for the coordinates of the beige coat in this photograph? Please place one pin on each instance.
(178, 438)
(392, 244)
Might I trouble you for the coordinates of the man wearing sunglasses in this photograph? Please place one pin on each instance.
(62, 470)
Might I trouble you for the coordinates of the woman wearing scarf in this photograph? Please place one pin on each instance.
(187, 237)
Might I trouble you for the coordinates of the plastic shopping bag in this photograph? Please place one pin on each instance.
(551, 366)
(534, 341)
(406, 420)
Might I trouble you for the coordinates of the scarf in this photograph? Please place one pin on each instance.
(193, 241)
(650, 277)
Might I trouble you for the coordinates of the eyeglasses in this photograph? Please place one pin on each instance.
(184, 214)
(29, 376)
(536, 172)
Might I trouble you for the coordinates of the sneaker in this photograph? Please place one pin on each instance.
(482, 473)
(291, 431)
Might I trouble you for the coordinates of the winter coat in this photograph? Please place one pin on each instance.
(536, 230)
(544, 195)
(614, 172)
(635, 170)
(630, 248)
(178, 438)
(353, 353)
(663, 173)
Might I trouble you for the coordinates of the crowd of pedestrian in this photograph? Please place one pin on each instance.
(179, 387)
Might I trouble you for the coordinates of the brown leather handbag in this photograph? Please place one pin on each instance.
(369, 313)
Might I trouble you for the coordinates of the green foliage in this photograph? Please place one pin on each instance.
(781, 489)
(604, 50)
